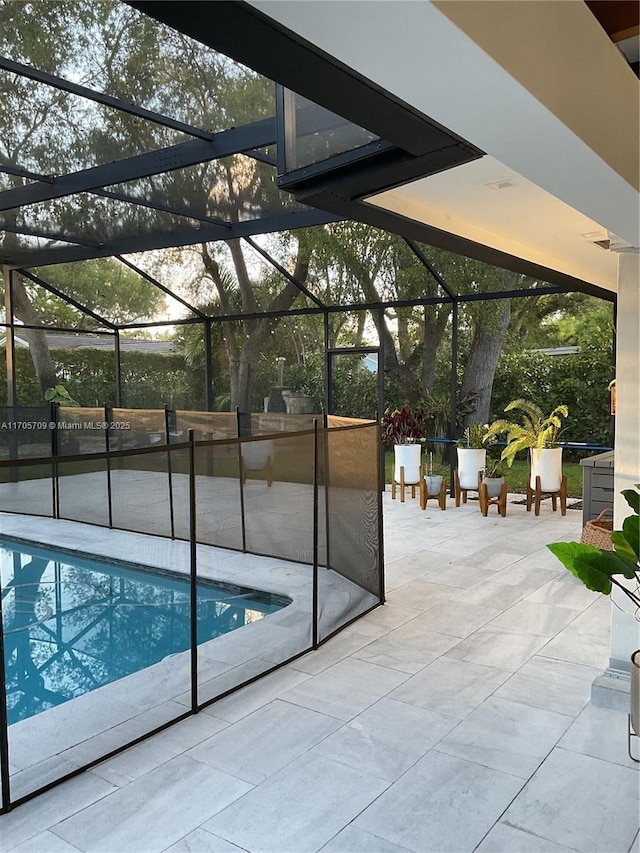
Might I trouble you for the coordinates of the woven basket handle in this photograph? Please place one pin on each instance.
(604, 512)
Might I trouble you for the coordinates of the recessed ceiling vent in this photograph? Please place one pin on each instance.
(500, 185)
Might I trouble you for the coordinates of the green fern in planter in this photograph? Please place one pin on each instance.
(535, 431)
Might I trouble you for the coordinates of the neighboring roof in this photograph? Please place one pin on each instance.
(103, 342)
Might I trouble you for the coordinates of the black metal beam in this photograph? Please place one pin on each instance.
(161, 287)
(19, 172)
(68, 299)
(387, 220)
(420, 255)
(166, 239)
(223, 144)
(165, 208)
(101, 98)
(240, 31)
(65, 329)
(46, 235)
(284, 272)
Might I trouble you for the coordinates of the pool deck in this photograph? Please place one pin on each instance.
(458, 717)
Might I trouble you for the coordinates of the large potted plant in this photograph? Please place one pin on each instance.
(403, 428)
(535, 433)
(601, 570)
(472, 458)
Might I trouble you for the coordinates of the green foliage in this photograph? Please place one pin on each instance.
(476, 435)
(596, 568)
(534, 431)
(59, 394)
(580, 380)
(103, 285)
(149, 380)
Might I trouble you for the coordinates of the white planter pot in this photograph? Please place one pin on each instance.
(546, 464)
(256, 453)
(494, 486)
(433, 484)
(407, 456)
(471, 460)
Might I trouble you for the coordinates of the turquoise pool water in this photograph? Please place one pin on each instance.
(72, 625)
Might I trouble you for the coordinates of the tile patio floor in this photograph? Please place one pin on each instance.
(455, 718)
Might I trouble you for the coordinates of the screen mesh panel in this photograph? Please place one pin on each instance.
(278, 496)
(206, 425)
(219, 510)
(353, 533)
(27, 488)
(25, 432)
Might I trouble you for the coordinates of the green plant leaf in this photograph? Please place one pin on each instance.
(622, 545)
(632, 497)
(631, 531)
(578, 559)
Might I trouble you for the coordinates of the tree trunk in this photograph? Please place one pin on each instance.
(36, 338)
(245, 339)
(434, 325)
(480, 369)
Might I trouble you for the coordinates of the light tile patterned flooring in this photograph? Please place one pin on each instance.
(456, 718)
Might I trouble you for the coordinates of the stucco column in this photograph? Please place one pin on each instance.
(625, 630)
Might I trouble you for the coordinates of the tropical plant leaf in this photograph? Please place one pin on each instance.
(579, 559)
(622, 545)
(631, 531)
(632, 497)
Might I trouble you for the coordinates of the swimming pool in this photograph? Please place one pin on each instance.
(72, 624)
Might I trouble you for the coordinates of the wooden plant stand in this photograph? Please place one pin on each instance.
(268, 469)
(486, 501)
(460, 492)
(402, 484)
(535, 496)
(441, 497)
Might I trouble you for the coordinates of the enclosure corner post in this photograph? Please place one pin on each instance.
(315, 631)
(193, 571)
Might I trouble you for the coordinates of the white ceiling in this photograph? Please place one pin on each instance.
(561, 189)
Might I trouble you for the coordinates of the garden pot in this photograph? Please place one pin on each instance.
(256, 453)
(471, 460)
(546, 464)
(494, 486)
(407, 456)
(433, 483)
(635, 692)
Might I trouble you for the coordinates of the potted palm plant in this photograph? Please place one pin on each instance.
(535, 433)
(403, 428)
(601, 570)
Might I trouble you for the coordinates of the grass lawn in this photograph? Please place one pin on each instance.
(516, 476)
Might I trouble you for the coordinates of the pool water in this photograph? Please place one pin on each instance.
(72, 624)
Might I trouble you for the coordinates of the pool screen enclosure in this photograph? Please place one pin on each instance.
(171, 135)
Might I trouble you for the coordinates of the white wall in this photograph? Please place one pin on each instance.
(625, 630)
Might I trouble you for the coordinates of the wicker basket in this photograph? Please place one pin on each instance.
(597, 532)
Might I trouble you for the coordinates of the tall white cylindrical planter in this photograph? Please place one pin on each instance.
(256, 453)
(407, 456)
(635, 692)
(546, 464)
(471, 460)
